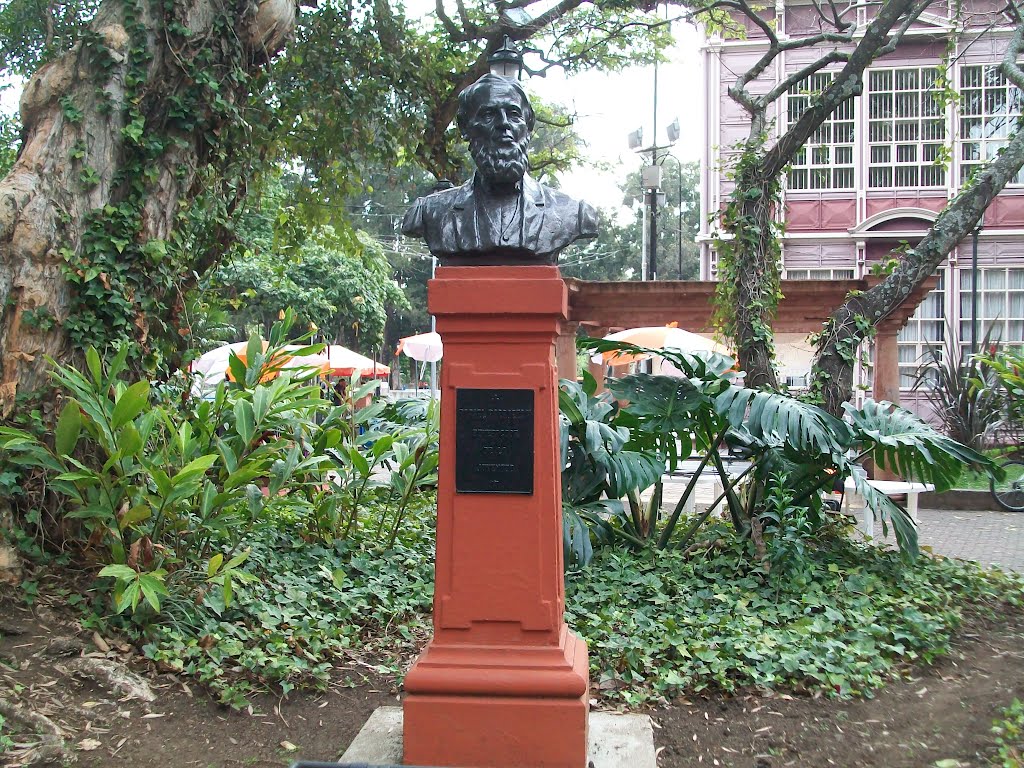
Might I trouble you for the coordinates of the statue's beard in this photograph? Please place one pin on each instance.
(504, 164)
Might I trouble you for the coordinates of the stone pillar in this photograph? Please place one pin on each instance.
(565, 351)
(887, 378)
(503, 682)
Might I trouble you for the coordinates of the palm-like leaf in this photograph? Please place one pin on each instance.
(776, 418)
(903, 525)
(899, 441)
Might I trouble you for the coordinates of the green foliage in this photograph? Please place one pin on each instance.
(32, 33)
(661, 627)
(792, 444)
(166, 490)
(963, 389)
(598, 471)
(1007, 365)
(749, 255)
(304, 610)
(1009, 736)
(280, 261)
(10, 140)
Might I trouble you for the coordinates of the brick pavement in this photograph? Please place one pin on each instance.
(991, 538)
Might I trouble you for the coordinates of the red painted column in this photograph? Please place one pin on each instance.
(503, 682)
(887, 378)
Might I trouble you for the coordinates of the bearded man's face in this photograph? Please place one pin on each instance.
(498, 136)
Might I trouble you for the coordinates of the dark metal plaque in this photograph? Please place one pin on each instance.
(494, 440)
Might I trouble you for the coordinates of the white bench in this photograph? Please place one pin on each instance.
(854, 503)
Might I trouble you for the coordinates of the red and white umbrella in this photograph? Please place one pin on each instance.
(424, 347)
(212, 367)
(344, 362)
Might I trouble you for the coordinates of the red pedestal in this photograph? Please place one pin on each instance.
(503, 682)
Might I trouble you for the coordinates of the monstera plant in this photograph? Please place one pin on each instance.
(790, 443)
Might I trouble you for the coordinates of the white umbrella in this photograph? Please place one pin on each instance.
(212, 367)
(425, 347)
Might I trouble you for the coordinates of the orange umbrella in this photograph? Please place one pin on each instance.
(656, 337)
(212, 367)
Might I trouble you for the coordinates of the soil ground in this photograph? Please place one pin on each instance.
(938, 713)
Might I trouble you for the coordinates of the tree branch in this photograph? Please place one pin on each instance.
(799, 75)
(449, 26)
(897, 36)
(847, 82)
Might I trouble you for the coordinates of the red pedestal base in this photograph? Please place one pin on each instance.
(503, 682)
(493, 707)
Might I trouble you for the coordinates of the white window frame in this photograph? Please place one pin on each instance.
(926, 328)
(817, 164)
(907, 130)
(1000, 305)
(820, 273)
(983, 128)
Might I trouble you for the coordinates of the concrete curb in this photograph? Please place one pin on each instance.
(965, 501)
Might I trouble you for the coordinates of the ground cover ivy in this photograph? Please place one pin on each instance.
(852, 618)
(855, 617)
(305, 609)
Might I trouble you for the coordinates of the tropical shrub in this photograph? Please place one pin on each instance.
(791, 443)
(168, 491)
(964, 391)
(599, 469)
(1007, 365)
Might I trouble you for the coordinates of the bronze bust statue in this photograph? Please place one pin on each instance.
(501, 216)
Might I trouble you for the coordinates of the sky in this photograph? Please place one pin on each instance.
(608, 108)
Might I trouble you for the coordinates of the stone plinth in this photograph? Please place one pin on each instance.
(503, 682)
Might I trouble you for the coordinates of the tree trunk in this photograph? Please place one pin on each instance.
(855, 319)
(119, 134)
(748, 279)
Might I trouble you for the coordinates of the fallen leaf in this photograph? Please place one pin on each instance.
(88, 745)
(99, 642)
(288, 746)
(151, 715)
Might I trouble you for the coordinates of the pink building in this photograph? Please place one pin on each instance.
(877, 172)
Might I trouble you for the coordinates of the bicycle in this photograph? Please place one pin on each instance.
(1009, 492)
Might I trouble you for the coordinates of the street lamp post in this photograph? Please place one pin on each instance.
(974, 284)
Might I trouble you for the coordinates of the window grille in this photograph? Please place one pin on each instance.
(825, 161)
(906, 129)
(819, 274)
(1000, 305)
(926, 329)
(990, 107)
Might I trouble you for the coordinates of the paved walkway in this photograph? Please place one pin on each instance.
(991, 538)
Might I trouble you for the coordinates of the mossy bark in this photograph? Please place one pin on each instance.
(137, 59)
